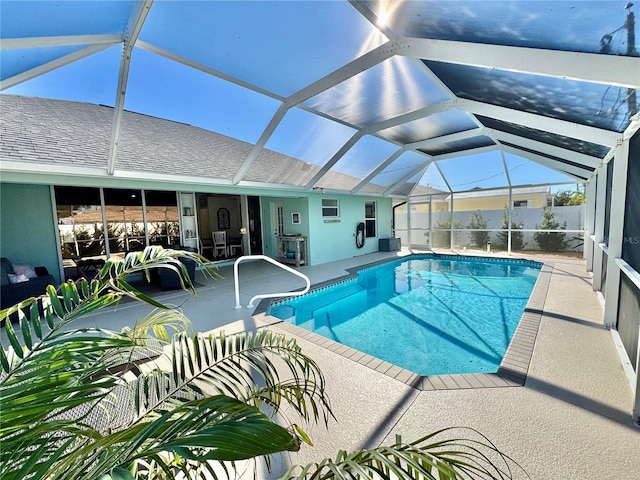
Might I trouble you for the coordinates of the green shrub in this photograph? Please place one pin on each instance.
(550, 241)
(517, 240)
(477, 222)
(442, 233)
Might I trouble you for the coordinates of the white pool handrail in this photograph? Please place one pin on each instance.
(266, 295)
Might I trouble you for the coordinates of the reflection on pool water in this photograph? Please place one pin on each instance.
(431, 314)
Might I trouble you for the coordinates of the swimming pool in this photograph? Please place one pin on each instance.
(430, 314)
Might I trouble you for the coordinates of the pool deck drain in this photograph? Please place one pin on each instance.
(511, 373)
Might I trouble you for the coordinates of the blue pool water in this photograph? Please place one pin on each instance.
(430, 314)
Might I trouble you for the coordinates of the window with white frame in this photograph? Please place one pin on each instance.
(370, 219)
(521, 203)
(330, 207)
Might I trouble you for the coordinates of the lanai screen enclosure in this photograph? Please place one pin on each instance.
(401, 99)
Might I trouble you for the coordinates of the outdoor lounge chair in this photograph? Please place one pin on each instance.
(22, 282)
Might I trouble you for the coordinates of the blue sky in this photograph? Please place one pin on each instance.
(164, 88)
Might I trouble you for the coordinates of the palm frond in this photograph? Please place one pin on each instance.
(261, 368)
(160, 324)
(59, 392)
(217, 428)
(38, 317)
(115, 271)
(436, 456)
(54, 378)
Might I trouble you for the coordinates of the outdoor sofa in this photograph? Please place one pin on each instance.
(20, 282)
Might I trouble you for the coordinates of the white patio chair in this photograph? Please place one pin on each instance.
(235, 246)
(219, 243)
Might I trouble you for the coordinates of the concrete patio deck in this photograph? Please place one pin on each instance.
(570, 420)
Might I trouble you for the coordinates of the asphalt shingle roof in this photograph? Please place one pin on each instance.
(48, 131)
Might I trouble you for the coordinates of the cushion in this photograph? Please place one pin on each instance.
(18, 278)
(26, 270)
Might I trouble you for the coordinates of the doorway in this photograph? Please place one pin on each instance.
(277, 222)
(239, 216)
(255, 225)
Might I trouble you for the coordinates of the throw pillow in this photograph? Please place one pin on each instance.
(18, 278)
(26, 270)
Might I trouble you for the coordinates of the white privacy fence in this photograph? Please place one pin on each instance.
(423, 228)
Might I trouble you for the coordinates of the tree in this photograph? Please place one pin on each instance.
(115, 234)
(89, 403)
(442, 233)
(83, 233)
(479, 237)
(568, 197)
(163, 233)
(550, 241)
(517, 241)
